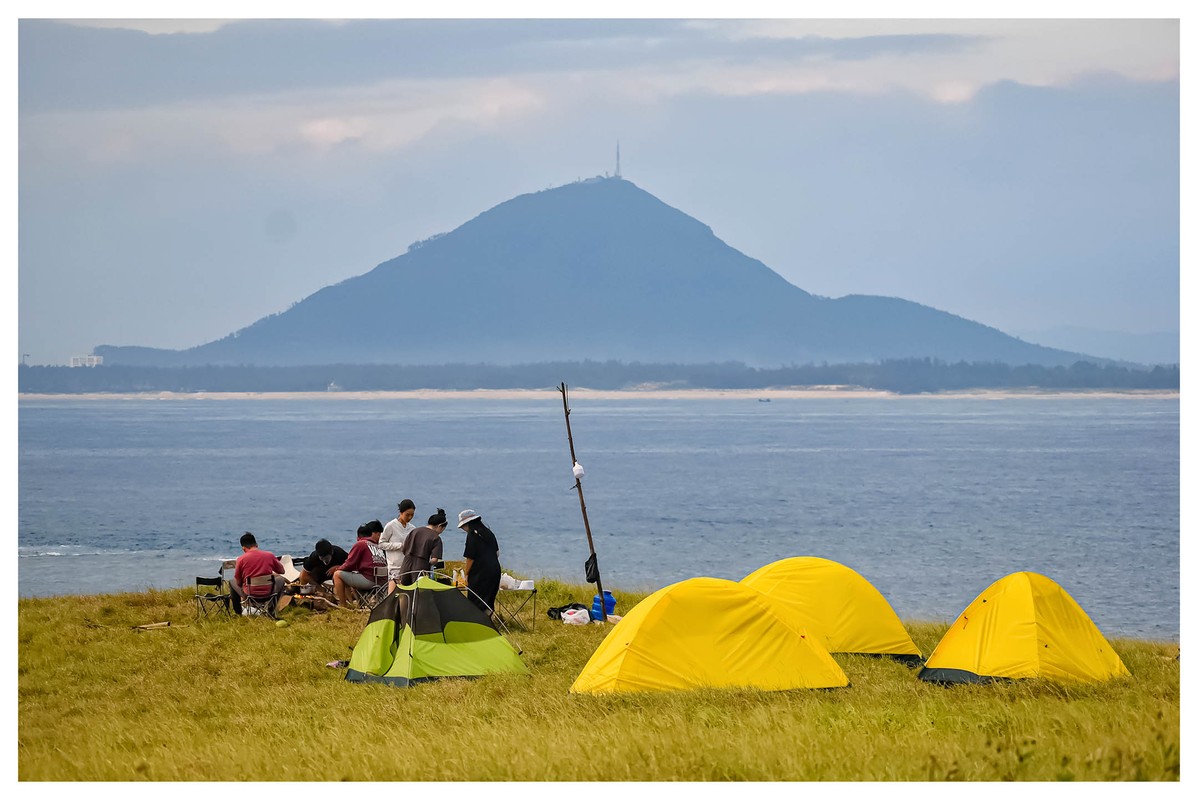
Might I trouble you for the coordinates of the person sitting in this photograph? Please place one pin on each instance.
(422, 549)
(321, 563)
(255, 563)
(357, 572)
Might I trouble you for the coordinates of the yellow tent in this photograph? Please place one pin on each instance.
(837, 605)
(707, 632)
(1023, 626)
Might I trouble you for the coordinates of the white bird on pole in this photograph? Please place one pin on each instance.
(578, 471)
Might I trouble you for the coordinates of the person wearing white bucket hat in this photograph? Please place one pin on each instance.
(482, 560)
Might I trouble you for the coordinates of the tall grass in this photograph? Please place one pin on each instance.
(242, 699)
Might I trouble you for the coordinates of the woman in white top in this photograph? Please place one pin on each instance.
(392, 539)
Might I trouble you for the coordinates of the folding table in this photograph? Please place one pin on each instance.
(511, 604)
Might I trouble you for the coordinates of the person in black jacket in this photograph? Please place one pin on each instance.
(320, 564)
(482, 560)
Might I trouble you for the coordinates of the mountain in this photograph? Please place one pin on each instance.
(598, 269)
(1158, 347)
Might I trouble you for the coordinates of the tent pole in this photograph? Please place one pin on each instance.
(581, 502)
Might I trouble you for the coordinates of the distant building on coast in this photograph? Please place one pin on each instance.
(86, 361)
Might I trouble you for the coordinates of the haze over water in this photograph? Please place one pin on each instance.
(931, 499)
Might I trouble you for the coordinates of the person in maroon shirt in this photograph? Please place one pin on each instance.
(255, 563)
(358, 570)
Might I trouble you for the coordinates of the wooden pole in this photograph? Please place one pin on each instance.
(581, 502)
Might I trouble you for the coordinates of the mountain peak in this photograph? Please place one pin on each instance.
(602, 205)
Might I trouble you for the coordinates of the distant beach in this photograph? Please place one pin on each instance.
(646, 393)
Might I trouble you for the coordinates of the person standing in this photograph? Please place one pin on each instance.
(422, 549)
(255, 563)
(392, 538)
(482, 560)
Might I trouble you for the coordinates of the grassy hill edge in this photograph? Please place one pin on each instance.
(242, 699)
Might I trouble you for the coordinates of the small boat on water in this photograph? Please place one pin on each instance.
(763, 399)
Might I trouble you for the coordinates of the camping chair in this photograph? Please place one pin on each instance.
(262, 606)
(291, 568)
(370, 598)
(209, 592)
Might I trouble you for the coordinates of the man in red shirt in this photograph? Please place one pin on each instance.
(255, 563)
(358, 570)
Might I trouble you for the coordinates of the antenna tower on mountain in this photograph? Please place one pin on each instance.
(617, 158)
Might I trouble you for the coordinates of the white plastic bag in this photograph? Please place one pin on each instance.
(576, 616)
(508, 582)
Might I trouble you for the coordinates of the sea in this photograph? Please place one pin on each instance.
(931, 498)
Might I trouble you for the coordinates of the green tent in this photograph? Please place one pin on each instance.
(428, 630)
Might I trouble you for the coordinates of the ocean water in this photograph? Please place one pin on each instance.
(930, 498)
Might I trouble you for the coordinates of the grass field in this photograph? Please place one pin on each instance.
(242, 699)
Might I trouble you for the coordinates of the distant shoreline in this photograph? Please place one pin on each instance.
(647, 393)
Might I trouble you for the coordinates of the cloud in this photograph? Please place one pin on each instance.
(257, 87)
(383, 117)
(64, 66)
(154, 26)
(1037, 52)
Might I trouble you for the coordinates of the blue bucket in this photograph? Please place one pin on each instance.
(609, 602)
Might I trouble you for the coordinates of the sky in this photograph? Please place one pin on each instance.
(180, 179)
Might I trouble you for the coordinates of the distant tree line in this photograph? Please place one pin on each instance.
(906, 376)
